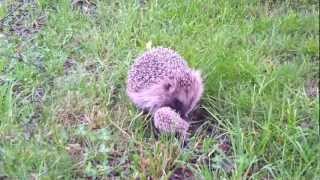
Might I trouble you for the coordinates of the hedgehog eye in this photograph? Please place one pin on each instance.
(169, 87)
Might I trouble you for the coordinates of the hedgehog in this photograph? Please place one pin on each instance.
(160, 77)
(166, 120)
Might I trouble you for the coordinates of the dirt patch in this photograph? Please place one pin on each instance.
(69, 66)
(258, 167)
(276, 8)
(38, 95)
(203, 126)
(23, 19)
(201, 123)
(118, 164)
(76, 152)
(312, 88)
(87, 7)
(72, 110)
(69, 118)
(24, 96)
(17, 89)
(197, 118)
(182, 173)
(31, 126)
(92, 67)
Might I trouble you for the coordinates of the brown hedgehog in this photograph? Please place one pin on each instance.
(159, 78)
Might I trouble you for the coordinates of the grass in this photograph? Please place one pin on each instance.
(64, 112)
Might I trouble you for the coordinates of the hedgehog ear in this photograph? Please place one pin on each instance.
(169, 86)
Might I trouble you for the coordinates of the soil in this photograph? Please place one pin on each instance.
(88, 7)
(20, 21)
(182, 173)
(312, 88)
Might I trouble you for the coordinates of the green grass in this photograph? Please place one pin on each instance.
(257, 58)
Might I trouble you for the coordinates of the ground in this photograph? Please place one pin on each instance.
(64, 113)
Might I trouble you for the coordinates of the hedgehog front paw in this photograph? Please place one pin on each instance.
(166, 120)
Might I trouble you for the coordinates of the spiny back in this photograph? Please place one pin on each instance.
(169, 121)
(155, 65)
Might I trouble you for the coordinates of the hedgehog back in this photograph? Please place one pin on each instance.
(153, 66)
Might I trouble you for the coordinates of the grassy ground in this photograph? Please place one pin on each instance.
(64, 113)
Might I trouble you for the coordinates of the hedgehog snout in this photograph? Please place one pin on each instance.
(179, 107)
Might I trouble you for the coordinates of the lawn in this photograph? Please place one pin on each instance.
(64, 113)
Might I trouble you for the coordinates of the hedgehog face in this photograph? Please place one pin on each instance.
(180, 97)
(154, 97)
(186, 96)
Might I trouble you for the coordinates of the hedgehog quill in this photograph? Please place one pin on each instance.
(160, 82)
